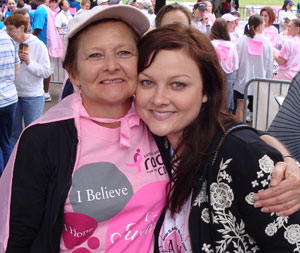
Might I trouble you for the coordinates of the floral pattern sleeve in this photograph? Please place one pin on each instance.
(242, 168)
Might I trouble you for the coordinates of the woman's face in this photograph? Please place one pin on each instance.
(65, 5)
(289, 7)
(209, 6)
(52, 5)
(293, 30)
(266, 18)
(11, 5)
(170, 94)
(231, 26)
(174, 17)
(86, 6)
(106, 69)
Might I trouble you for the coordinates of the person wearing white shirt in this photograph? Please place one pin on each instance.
(255, 53)
(63, 17)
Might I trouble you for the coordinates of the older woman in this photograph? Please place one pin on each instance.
(88, 176)
(217, 163)
(289, 55)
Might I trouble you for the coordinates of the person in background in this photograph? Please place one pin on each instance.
(9, 66)
(146, 7)
(231, 22)
(227, 55)
(1, 21)
(26, 14)
(285, 10)
(217, 163)
(298, 9)
(63, 17)
(255, 53)
(173, 13)
(12, 6)
(74, 4)
(238, 31)
(289, 55)
(35, 66)
(21, 4)
(210, 11)
(85, 5)
(102, 2)
(53, 7)
(200, 20)
(39, 27)
(270, 31)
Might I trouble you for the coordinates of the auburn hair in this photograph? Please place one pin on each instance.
(197, 137)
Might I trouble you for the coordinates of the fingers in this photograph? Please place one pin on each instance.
(278, 173)
(291, 183)
(283, 210)
(283, 198)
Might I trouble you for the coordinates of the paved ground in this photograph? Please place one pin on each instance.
(54, 91)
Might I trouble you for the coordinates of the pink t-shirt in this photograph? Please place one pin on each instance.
(291, 53)
(271, 32)
(117, 192)
(227, 55)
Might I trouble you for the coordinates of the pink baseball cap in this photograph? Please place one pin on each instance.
(229, 17)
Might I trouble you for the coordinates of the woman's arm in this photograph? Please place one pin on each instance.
(29, 190)
(278, 58)
(284, 194)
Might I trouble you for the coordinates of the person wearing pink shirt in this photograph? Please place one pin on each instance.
(88, 175)
(289, 55)
(227, 55)
(270, 31)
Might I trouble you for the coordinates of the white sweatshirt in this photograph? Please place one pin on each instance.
(252, 66)
(29, 81)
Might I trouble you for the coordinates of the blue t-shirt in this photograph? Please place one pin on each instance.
(40, 22)
(1, 25)
(7, 14)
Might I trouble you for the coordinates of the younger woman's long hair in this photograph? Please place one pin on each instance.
(197, 136)
(219, 30)
(253, 22)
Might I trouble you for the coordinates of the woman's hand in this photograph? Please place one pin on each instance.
(283, 196)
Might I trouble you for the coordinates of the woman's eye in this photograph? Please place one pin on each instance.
(95, 55)
(146, 82)
(178, 85)
(124, 53)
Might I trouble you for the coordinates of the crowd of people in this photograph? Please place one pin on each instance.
(146, 155)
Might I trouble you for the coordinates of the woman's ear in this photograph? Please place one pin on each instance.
(74, 78)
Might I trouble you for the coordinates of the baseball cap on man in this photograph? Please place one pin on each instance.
(229, 17)
(290, 2)
(200, 6)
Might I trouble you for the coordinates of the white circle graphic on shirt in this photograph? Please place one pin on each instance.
(99, 190)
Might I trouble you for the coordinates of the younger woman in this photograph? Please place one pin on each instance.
(255, 59)
(227, 55)
(217, 165)
(289, 55)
